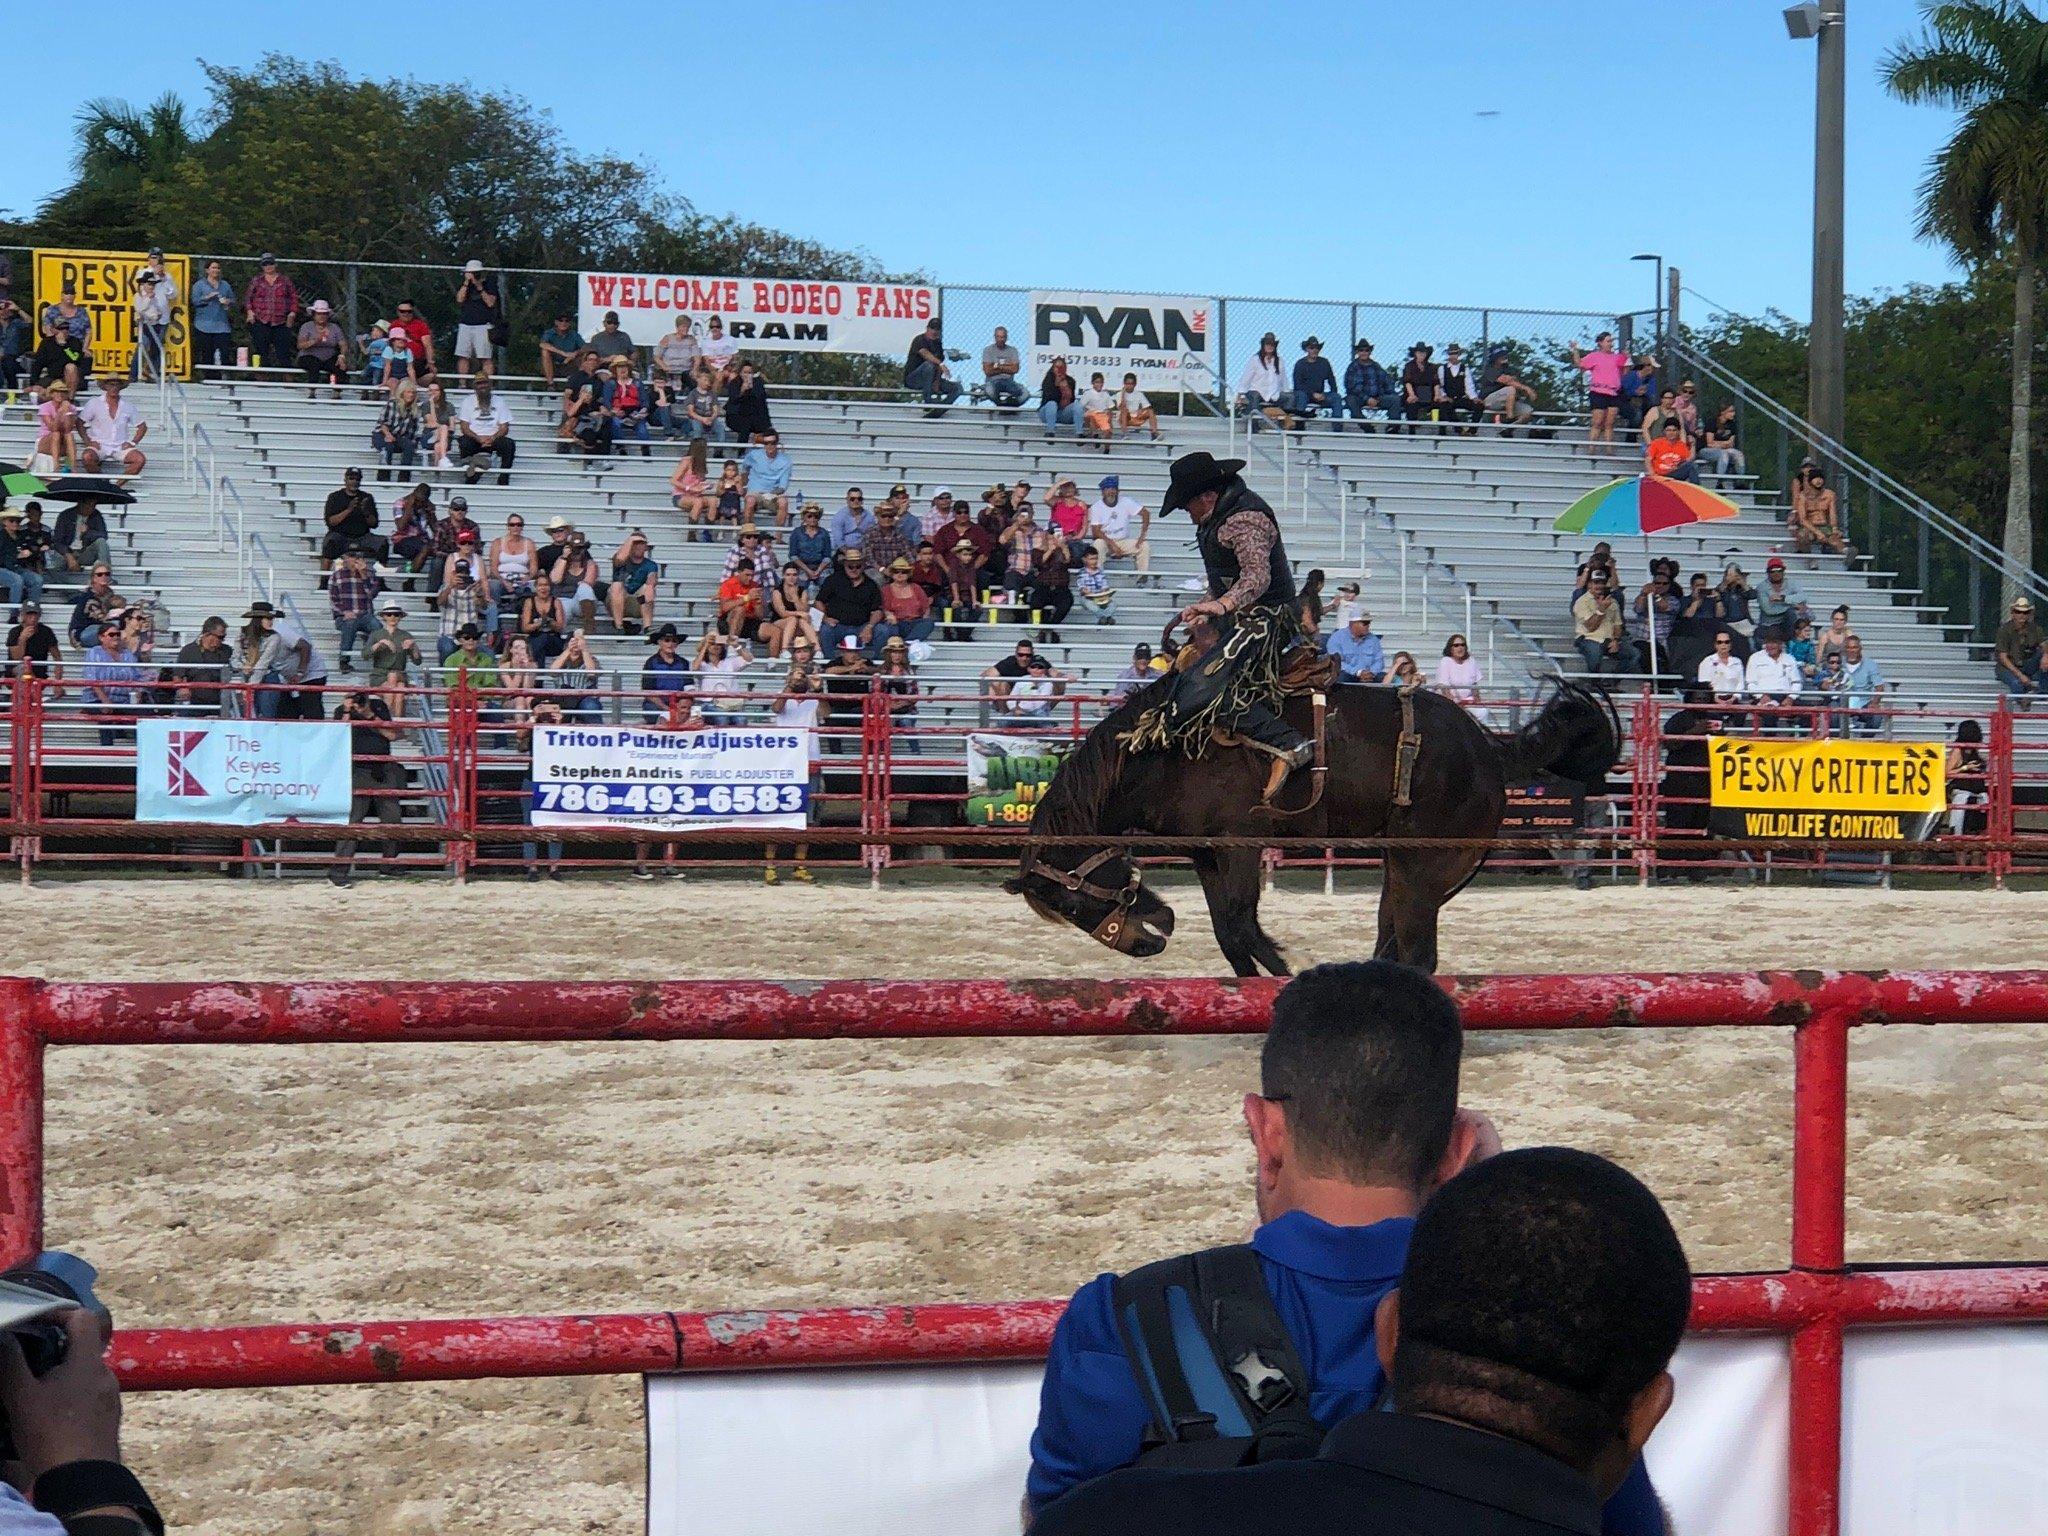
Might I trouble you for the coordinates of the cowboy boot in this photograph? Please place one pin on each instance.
(1262, 728)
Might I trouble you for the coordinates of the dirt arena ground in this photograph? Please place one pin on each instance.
(243, 1185)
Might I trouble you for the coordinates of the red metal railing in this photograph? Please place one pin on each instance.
(1813, 1301)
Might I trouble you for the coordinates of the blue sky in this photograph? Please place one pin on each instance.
(1313, 151)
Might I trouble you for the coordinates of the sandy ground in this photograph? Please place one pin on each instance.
(218, 1185)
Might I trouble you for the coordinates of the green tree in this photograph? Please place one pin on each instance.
(1986, 190)
(121, 152)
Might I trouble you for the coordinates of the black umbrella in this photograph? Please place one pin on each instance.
(89, 488)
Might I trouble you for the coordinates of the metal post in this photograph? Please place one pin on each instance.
(1286, 440)
(21, 1124)
(355, 327)
(1820, 1118)
(1824, 356)
(1343, 519)
(1354, 332)
(1404, 573)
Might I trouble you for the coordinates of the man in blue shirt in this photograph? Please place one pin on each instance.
(1315, 384)
(1368, 391)
(1354, 1126)
(1360, 656)
(852, 523)
(765, 469)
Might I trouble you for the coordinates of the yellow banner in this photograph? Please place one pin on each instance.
(1900, 777)
(105, 283)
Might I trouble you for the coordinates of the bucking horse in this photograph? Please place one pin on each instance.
(1398, 766)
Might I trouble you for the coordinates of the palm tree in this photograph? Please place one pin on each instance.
(1986, 191)
(121, 153)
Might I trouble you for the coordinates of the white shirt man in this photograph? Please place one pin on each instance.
(1774, 676)
(1121, 528)
(114, 429)
(483, 419)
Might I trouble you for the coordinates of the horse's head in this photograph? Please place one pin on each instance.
(1099, 893)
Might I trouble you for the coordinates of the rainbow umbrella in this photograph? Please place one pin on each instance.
(1640, 506)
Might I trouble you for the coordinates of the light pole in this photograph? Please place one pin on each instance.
(1824, 380)
(1656, 297)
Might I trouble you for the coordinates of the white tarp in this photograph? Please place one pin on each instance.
(1946, 1432)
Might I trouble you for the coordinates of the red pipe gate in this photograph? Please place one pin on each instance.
(1813, 1301)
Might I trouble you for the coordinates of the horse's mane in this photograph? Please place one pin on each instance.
(1576, 733)
(1075, 799)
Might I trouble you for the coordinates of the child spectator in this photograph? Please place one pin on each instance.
(1092, 584)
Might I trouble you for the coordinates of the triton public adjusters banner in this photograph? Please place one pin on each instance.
(1825, 789)
(761, 314)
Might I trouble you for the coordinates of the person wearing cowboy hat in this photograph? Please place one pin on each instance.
(111, 431)
(19, 578)
(1421, 385)
(1315, 383)
(1262, 389)
(323, 348)
(2021, 651)
(1251, 604)
(152, 306)
(1368, 391)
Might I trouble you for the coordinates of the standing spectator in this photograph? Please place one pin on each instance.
(1421, 389)
(797, 708)
(112, 431)
(396, 437)
(718, 664)
(926, 372)
(1457, 674)
(766, 470)
(610, 341)
(17, 344)
(1721, 456)
(375, 779)
(1059, 399)
(1368, 391)
(852, 604)
(1968, 777)
(897, 680)
(559, 345)
(1602, 367)
(1861, 684)
(1000, 364)
(20, 578)
(1135, 676)
(676, 355)
(1098, 411)
(1020, 544)
(628, 404)
(204, 668)
(322, 347)
(2019, 650)
(1669, 456)
(271, 308)
(585, 421)
(478, 312)
(1134, 410)
(391, 647)
(350, 514)
(1262, 387)
(1122, 529)
(483, 427)
(1315, 383)
(1361, 658)
(746, 406)
(634, 575)
(352, 593)
(1723, 672)
(152, 306)
(1597, 630)
(257, 665)
(1638, 385)
(1653, 613)
(460, 602)
(32, 646)
(70, 318)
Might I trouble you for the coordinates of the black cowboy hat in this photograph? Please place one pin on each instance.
(1194, 473)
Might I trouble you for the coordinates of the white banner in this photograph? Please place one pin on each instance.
(1165, 339)
(1946, 1432)
(761, 314)
(241, 772)
(649, 780)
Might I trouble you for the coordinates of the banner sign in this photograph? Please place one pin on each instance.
(241, 772)
(1825, 789)
(1007, 776)
(761, 314)
(643, 779)
(105, 281)
(1543, 808)
(1165, 339)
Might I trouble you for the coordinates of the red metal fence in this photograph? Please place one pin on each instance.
(891, 780)
(1813, 1301)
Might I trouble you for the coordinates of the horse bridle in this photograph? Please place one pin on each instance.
(1116, 928)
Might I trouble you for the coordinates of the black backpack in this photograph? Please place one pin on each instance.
(1224, 1383)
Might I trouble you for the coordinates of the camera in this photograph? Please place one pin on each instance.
(33, 1294)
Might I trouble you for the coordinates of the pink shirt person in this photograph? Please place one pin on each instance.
(1604, 370)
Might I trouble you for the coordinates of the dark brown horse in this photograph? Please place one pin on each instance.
(1458, 791)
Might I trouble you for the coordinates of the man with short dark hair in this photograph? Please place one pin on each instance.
(1356, 1123)
(559, 344)
(1529, 1345)
(202, 666)
(351, 516)
(1000, 363)
(926, 372)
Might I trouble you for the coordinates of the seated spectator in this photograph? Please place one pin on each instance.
(677, 354)
(586, 424)
(1059, 399)
(852, 604)
(1262, 388)
(1360, 656)
(1528, 1344)
(691, 492)
(390, 649)
(114, 680)
(720, 658)
(510, 562)
(111, 432)
(96, 602)
(1780, 602)
(1503, 397)
(1068, 514)
(578, 581)
(1597, 628)
(1813, 522)
(1722, 673)
(1834, 639)
(437, 424)
(1458, 676)
(2019, 651)
(926, 571)
(1968, 777)
(1121, 527)
(470, 662)
(322, 347)
(1799, 646)
(810, 546)
(1368, 390)
(721, 353)
(559, 345)
(755, 549)
(634, 576)
(483, 427)
(454, 531)
(1461, 403)
(1135, 676)
(35, 543)
(1720, 456)
(1000, 364)
(1687, 406)
(746, 406)
(1421, 389)
(729, 495)
(628, 403)
(573, 677)
(665, 680)
(352, 593)
(259, 662)
(701, 412)
(411, 343)
(962, 591)
(610, 341)
(1860, 685)
(1032, 696)
(1134, 410)
(60, 359)
(1004, 675)
(1669, 455)
(350, 514)
(32, 646)
(1735, 595)
(1354, 1127)
(17, 345)
(1315, 383)
(377, 353)
(1772, 676)
(543, 621)
(396, 437)
(59, 439)
(765, 468)
(1402, 671)
(1665, 409)
(1098, 411)
(203, 669)
(906, 607)
(789, 613)
(853, 522)
(888, 543)
(21, 577)
(1092, 587)
(926, 372)
(1654, 612)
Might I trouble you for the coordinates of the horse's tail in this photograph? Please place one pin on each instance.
(1575, 735)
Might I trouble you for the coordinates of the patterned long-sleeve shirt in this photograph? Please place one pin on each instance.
(763, 561)
(1250, 537)
(273, 303)
(350, 594)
